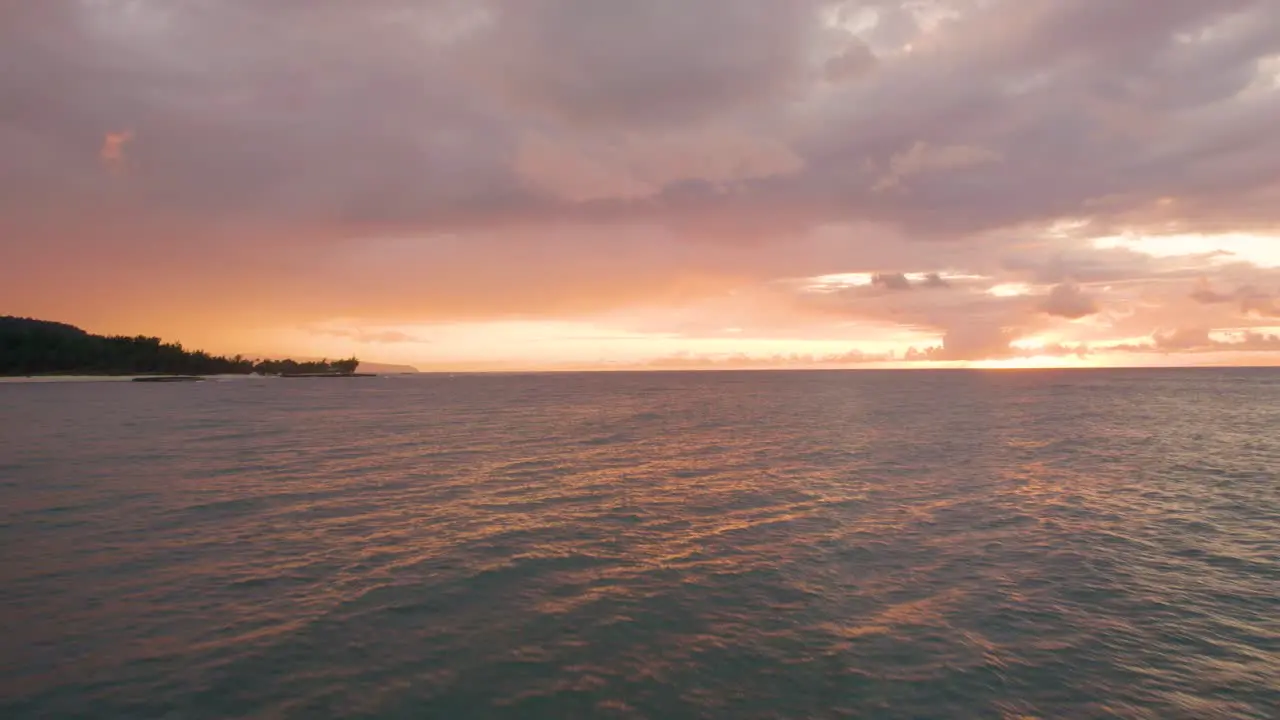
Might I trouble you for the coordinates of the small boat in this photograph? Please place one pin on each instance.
(169, 378)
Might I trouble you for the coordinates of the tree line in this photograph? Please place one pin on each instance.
(30, 347)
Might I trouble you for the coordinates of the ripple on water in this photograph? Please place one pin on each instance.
(1089, 545)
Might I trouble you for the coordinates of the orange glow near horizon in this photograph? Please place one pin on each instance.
(604, 190)
(721, 329)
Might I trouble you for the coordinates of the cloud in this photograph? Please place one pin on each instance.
(921, 159)
(661, 62)
(1193, 339)
(934, 280)
(630, 166)
(1183, 339)
(1206, 295)
(1251, 300)
(673, 165)
(854, 62)
(1256, 302)
(427, 124)
(891, 281)
(975, 343)
(1068, 301)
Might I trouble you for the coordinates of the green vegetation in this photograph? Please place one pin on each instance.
(37, 347)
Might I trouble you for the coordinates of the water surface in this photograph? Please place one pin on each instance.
(1059, 544)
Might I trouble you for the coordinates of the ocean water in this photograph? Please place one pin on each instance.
(1049, 544)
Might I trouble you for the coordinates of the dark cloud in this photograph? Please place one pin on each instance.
(1068, 301)
(934, 280)
(1251, 300)
(891, 281)
(1194, 339)
(665, 61)
(413, 113)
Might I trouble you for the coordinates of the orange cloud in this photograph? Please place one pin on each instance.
(670, 171)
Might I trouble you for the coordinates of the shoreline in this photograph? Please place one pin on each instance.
(56, 375)
(160, 377)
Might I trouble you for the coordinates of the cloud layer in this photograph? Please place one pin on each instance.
(980, 177)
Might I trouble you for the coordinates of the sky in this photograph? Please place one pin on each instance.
(537, 184)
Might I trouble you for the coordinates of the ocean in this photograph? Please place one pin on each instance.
(866, 544)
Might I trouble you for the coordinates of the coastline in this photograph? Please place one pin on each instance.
(103, 377)
(161, 377)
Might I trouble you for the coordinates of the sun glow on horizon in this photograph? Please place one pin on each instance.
(1038, 362)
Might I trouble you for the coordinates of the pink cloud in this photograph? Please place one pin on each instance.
(679, 166)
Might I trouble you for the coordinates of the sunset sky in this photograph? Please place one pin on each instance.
(502, 184)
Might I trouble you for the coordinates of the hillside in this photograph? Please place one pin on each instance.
(36, 347)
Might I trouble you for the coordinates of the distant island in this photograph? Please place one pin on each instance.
(41, 347)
